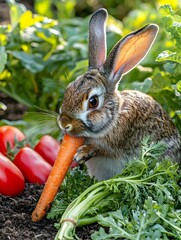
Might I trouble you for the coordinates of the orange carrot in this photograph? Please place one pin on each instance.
(63, 161)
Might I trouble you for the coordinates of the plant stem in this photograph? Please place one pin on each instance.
(87, 221)
(168, 222)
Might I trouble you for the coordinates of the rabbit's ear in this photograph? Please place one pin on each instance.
(128, 52)
(97, 39)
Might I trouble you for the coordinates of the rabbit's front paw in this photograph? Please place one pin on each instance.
(84, 153)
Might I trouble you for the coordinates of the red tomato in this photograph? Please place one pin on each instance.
(8, 134)
(34, 168)
(48, 148)
(12, 181)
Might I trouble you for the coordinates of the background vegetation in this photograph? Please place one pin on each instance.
(43, 49)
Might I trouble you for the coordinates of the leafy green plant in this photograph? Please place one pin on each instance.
(159, 75)
(143, 201)
(55, 8)
(35, 57)
(76, 181)
(171, 60)
(153, 221)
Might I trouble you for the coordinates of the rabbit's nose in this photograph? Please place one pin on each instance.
(65, 123)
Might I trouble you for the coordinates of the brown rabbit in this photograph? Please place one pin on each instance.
(114, 123)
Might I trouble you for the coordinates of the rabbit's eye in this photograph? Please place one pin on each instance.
(93, 102)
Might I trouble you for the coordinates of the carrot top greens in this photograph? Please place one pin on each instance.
(142, 202)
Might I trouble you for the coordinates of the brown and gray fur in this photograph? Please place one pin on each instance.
(114, 129)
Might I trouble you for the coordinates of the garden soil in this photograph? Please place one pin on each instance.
(15, 218)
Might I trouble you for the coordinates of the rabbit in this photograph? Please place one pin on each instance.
(114, 123)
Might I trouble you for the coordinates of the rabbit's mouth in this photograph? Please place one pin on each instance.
(74, 127)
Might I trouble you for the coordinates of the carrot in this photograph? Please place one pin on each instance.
(63, 161)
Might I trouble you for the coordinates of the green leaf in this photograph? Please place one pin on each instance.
(3, 58)
(166, 10)
(79, 69)
(43, 7)
(16, 10)
(169, 56)
(65, 9)
(179, 114)
(49, 35)
(172, 24)
(178, 85)
(161, 82)
(142, 86)
(33, 63)
(74, 184)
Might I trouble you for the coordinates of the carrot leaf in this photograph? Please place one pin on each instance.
(76, 181)
(141, 202)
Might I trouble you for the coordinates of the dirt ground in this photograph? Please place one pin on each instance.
(14, 110)
(15, 218)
